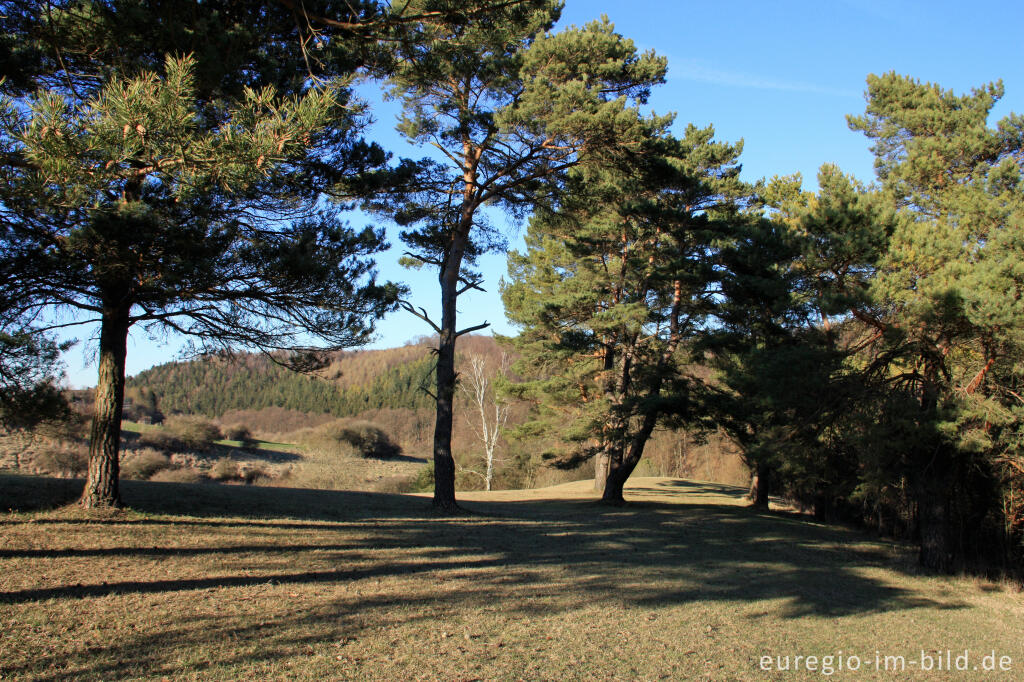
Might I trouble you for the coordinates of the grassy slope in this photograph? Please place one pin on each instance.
(208, 582)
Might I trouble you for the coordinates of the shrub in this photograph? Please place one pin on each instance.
(195, 432)
(360, 438)
(144, 464)
(71, 427)
(225, 469)
(255, 476)
(370, 440)
(238, 433)
(424, 480)
(161, 440)
(63, 460)
(183, 475)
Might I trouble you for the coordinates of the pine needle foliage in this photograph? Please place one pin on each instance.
(615, 285)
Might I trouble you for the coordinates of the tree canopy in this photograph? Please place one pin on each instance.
(921, 277)
(156, 197)
(615, 285)
(509, 107)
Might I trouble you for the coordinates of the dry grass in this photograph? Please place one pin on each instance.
(339, 468)
(224, 583)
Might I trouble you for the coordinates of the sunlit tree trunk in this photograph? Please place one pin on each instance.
(760, 486)
(620, 471)
(602, 464)
(101, 486)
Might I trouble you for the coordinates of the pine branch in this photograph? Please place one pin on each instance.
(469, 330)
(420, 313)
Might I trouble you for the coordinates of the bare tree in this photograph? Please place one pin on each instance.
(479, 388)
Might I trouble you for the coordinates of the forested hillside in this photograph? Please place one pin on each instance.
(352, 383)
(381, 379)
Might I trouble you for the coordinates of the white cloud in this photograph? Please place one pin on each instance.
(695, 71)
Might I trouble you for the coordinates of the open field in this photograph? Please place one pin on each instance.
(202, 582)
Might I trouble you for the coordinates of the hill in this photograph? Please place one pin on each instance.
(227, 583)
(353, 382)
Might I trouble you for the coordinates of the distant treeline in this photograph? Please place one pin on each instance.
(351, 384)
(379, 379)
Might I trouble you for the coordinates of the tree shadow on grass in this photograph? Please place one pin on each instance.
(255, 454)
(214, 451)
(704, 549)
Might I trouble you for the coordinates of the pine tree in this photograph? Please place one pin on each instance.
(179, 192)
(779, 345)
(923, 273)
(29, 373)
(510, 108)
(947, 295)
(615, 285)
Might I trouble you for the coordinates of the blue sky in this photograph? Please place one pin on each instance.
(780, 75)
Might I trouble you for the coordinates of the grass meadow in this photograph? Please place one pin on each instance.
(204, 582)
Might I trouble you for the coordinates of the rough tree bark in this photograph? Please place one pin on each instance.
(444, 462)
(449, 278)
(101, 486)
(621, 471)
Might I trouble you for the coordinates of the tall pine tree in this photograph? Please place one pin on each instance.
(615, 284)
(509, 108)
(179, 192)
(948, 296)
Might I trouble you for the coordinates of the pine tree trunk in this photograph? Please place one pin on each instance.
(933, 525)
(603, 461)
(760, 487)
(621, 470)
(617, 476)
(934, 522)
(601, 466)
(101, 486)
(444, 462)
(933, 513)
(621, 467)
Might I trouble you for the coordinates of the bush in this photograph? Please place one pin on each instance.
(183, 475)
(239, 433)
(145, 464)
(195, 433)
(370, 440)
(255, 476)
(360, 438)
(161, 440)
(71, 427)
(225, 469)
(424, 481)
(63, 460)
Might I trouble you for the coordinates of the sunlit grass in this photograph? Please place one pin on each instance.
(208, 582)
